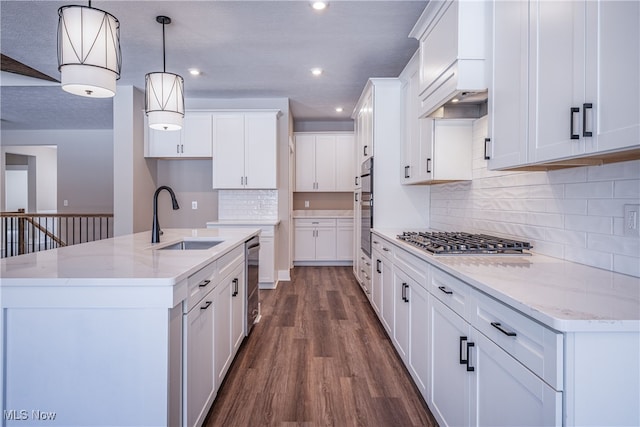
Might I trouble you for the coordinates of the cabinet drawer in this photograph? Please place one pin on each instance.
(200, 283)
(537, 347)
(230, 261)
(416, 268)
(452, 292)
(385, 248)
(315, 222)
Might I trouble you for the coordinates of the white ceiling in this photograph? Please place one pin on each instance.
(246, 49)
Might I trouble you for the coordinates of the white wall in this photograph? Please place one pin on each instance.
(84, 167)
(46, 175)
(574, 214)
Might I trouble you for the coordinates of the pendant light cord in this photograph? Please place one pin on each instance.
(164, 54)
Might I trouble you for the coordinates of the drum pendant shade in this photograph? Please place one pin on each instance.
(164, 94)
(89, 56)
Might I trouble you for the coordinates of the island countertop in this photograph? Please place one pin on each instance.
(123, 260)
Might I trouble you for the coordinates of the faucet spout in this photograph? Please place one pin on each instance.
(155, 231)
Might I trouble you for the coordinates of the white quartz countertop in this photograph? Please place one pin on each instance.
(122, 261)
(563, 295)
(243, 222)
(314, 213)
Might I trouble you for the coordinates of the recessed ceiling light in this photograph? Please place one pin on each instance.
(319, 5)
(194, 71)
(338, 109)
(316, 71)
(454, 100)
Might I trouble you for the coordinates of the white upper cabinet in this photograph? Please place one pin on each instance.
(563, 90)
(324, 162)
(192, 141)
(434, 150)
(245, 150)
(452, 51)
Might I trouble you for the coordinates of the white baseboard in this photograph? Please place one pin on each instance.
(283, 275)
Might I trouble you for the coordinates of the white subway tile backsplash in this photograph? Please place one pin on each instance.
(592, 224)
(629, 189)
(247, 204)
(574, 214)
(589, 190)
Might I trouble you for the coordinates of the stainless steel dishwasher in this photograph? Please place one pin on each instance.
(252, 255)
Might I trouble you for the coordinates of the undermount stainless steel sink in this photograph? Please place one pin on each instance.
(188, 245)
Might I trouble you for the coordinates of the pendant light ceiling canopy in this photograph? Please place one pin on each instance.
(89, 56)
(164, 93)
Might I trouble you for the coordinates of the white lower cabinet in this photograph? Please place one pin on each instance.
(323, 240)
(505, 393)
(476, 361)
(449, 390)
(200, 389)
(228, 310)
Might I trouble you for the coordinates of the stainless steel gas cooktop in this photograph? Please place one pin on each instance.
(460, 243)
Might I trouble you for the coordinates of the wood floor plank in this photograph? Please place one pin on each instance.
(319, 356)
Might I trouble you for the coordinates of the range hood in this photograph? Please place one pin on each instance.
(453, 37)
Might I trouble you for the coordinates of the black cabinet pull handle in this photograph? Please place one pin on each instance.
(445, 290)
(378, 263)
(206, 305)
(385, 249)
(469, 367)
(204, 283)
(428, 165)
(573, 111)
(355, 196)
(364, 150)
(463, 341)
(406, 287)
(585, 107)
(356, 181)
(486, 148)
(406, 172)
(501, 328)
(235, 287)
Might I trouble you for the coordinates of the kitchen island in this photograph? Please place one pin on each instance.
(98, 333)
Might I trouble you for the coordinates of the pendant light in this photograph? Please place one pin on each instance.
(164, 93)
(89, 57)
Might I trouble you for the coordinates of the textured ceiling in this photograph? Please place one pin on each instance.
(246, 49)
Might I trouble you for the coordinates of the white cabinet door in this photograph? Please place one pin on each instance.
(197, 136)
(344, 240)
(305, 162)
(199, 360)
(245, 150)
(228, 150)
(388, 297)
(450, 383)
(194, 140)
(305, 244)
(612, 70)
(505, 393)
(419, 337)
(162, 144)
(556, 82)
(377, 282)
(325, 163)
(356, 232)
(260, 132)
(345, 169)
(267, 260)
(402, 295)
(325, 244)
(238, 316)
(223, 322)
(508, 100)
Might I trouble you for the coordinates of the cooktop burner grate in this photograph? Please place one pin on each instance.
(460, 243)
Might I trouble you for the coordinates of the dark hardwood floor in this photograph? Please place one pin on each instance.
(319, 356)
